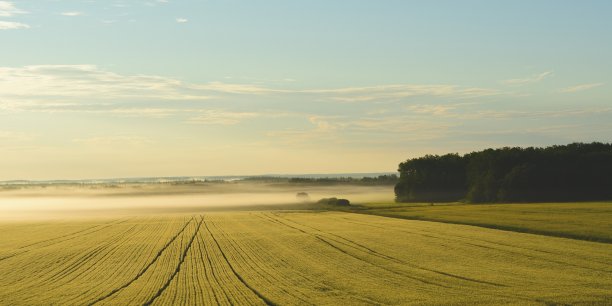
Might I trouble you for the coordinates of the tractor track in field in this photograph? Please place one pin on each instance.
(84, 259)
(383, 256)
(507, 228)
(461, 239)
(105, 257)
(238, 276)
(146, 268)
(206, 255)
(247, 253)
(99, 228)
(102, 226)
(319, 238)
(78, 261)
(178, 266)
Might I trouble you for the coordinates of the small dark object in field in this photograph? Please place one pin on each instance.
(343, 202)
(302, 196)
(334, 201)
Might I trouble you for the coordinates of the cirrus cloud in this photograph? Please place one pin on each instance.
(530, 79)
(72, 14)
(580, 87)
(62, 86)
(10, 25)
(8, 9)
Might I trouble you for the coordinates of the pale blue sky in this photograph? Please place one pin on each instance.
(93, 89)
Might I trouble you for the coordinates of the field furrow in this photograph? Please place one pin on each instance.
(362, 249)
(413, 243)
(316, 260)
(56, 240)
(160, 266)
(183, 255)
(144, 269)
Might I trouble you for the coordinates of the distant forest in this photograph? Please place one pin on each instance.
(573, 172)
(390, 179)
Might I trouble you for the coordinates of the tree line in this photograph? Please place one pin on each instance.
(388, 179)
(573, 172)
(381, 180)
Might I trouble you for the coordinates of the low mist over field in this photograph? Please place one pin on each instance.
(55, 201)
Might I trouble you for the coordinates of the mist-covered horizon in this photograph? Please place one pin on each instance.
(103, 200)
(200, 178)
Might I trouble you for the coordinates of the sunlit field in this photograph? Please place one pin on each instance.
(236, 244)
(293, 258)
(582, 220)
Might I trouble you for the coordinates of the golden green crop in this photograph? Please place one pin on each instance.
(289, 258)
(582, 220)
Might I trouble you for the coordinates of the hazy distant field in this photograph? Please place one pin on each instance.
(78, 201)
(293, 258)
(586, 220)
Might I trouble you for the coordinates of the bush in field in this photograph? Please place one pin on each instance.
(302, 196)
(343, 202)
(334, 201)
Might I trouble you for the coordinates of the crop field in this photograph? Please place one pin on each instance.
(293, 258)
(581, 220)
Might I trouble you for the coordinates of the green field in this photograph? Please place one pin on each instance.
(585, 221)
(293, 258)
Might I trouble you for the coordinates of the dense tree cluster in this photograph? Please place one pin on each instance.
(574, 172)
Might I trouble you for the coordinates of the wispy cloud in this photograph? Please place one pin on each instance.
(156, 2)
(516, 114)
(476, 111)
(427, 109)
(8, 9)
(580, 87)
(231, 88)
(362, 130)
(181, 20)
(430, 113)
(10, 25)
(147, 112)
(15, 136)
(360, 94)
(401, 91)
(122, 140)
(530, 79)
(421, 123)
(221, 117)
(48, 84)
(202, 115)
(65, 83)
(72, 13)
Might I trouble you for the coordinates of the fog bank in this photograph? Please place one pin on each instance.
(99, 201)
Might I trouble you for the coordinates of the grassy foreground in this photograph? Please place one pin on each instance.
(585, 221)
(293, 258)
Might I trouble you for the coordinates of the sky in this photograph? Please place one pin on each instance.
(107, 89)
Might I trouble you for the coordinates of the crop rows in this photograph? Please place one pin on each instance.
(293, 258)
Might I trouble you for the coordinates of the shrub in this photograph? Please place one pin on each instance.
(334, 201)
